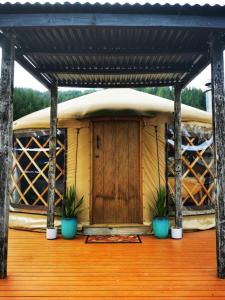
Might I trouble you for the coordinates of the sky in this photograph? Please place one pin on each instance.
(24, 79)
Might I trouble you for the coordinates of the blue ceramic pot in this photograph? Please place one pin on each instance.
(68, 228)
(161, 227)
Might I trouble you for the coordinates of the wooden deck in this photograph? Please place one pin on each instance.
(155, 269)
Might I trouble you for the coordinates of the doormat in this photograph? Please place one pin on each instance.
(113, 239)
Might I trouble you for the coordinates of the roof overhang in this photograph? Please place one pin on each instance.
(116, 45)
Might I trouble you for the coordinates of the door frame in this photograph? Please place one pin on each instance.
(91, 129)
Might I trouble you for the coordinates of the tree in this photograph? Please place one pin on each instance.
(194, 97)
(190, 96)
(27, 101)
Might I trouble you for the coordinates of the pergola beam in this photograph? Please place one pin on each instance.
(6, 120)
(116, 52)
(177, 156)
(134, 84)
(19, 57)
(200, 64)
(52, 157)
(49, 20)
(219, 141)
(116, 70)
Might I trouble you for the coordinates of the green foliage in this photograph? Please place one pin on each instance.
(190, 96)
(165, 92)
(27, 101)
(160, 209)
(71, 205)
(194, 97)
(67, 95)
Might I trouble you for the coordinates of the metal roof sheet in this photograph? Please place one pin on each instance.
(153, 7)
(92, 55)
(104, 57)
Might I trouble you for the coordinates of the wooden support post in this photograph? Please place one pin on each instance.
(177, 156)
(52, 157)
(6, 119)
(218, 103)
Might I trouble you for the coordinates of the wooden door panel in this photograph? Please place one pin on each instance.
(134, 174)
(98, 175)
(116, 172)
(109, 168)
(123, 171)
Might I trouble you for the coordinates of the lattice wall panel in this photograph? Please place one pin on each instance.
(198, 172)
(29, 174)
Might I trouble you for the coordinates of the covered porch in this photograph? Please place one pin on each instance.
(104, 46)
(162, 269)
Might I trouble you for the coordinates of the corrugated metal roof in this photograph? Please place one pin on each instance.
(153, 7)
(84, 56)
(119, 2)
(111, 56)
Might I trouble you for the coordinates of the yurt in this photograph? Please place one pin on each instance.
(116, 146)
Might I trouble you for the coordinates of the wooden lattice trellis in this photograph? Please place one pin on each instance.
(29, 174)
(198, 173)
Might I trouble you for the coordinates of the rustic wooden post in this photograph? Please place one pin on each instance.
(6, 119)
(177, 156)
(218, 103)
(52, 157)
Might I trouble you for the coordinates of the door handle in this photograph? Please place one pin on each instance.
(98, 141)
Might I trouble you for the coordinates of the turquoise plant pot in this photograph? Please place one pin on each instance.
(68, 228)
(161, 227)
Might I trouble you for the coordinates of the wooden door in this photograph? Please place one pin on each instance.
(116, 172)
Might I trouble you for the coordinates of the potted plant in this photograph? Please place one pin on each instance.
(70, 210)
(51, 233)
(160, 215)
(51, 230)
(176, 232)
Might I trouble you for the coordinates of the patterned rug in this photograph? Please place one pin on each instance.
(113, 239)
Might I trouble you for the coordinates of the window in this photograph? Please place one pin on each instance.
(29, 175)
(198, 171)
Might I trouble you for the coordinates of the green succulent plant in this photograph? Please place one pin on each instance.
(71, 207)
(160, 207)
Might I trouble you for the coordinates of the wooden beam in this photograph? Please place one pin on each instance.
(199, 65)
(49, 20)
(52, 157)
(146, 52)
(177, 156)
(217, 65)
(116, 70)
(20, 58)
(6, 119)
(3, 39)
(116, 84)
(27, 65)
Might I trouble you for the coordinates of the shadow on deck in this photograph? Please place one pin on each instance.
(155, 269)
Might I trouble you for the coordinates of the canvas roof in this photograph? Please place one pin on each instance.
(111, 102)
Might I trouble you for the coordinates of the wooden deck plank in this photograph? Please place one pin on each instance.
(115, 297)
(112, 287)
(155, 269)
(108, 293)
